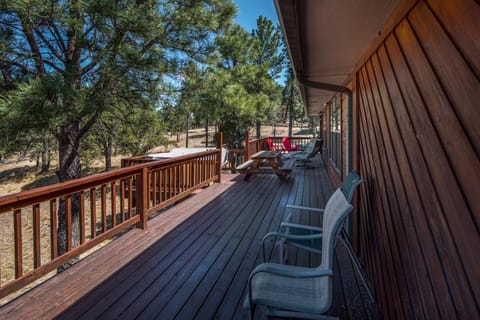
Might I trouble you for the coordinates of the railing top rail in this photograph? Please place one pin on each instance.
(179, 159)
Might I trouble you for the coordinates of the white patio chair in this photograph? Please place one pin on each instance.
(305, 236)
(299, 292)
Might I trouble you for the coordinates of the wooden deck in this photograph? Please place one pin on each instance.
(194, 259)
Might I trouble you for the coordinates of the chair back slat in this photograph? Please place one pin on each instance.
(336, 211)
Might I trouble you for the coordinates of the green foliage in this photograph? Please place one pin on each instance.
(237, 89)
(124, 130)
(20, 129)
(173, 118)
(267, 47)
(291, 99)
(141, 132)
(85, 57)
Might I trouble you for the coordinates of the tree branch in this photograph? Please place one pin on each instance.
(58, 38)
(19, 65)
(37, 57)
(49, 45)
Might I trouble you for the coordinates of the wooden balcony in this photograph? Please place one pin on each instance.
(193, 260)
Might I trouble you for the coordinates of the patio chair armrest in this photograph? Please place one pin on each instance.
(290, 271)
(287, 236)
(292, 209)
(293, 236)
(302, 237)
(300, 226)
(291, 206)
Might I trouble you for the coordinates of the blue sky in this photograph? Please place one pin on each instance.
(249, 10)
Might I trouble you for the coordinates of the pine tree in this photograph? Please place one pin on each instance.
(267, 55)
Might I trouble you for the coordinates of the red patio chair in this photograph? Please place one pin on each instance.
(269, 142)
(287, 145)
(274, 147)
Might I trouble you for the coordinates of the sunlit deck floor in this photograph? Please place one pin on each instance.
(194, 259)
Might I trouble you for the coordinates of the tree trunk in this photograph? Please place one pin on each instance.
(107, 151)
(45, 155)
(69, 168)
(37, 161)
(186, 134)
(259, 129)
(45, 161)
(206, 133)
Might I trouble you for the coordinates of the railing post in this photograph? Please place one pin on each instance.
(247, 144)
(141, 197)
(219, 156)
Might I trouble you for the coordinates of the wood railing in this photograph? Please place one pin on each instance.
(99, 207)
(300, 142)
(238, 156)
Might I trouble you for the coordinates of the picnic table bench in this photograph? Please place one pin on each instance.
(268, 162)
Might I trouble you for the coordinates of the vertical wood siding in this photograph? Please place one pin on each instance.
(418, 112)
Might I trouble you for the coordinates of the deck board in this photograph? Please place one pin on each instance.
(194, 259)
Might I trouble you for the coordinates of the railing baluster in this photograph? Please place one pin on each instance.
(194, 172)
(172, 182)
(162, 185)
(210, 161)
(191, 173)
(175, 180)
(183, 183)
(122, 200)
(53, 229)
(207, 166)
(81, 206)
(114, 203)
(68, 211)
(167, 183)
(17, 224)
(93, 212)
(130, 197)
(36, 236)
(171, 191)
(104, 208)
(154, 188)
(158, 186)
(197, 173)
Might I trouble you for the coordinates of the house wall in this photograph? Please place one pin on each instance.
(417, 113)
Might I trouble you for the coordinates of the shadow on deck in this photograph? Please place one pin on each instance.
(194, 259)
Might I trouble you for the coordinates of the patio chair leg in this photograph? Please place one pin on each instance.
(251, 315)
(282, 253)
